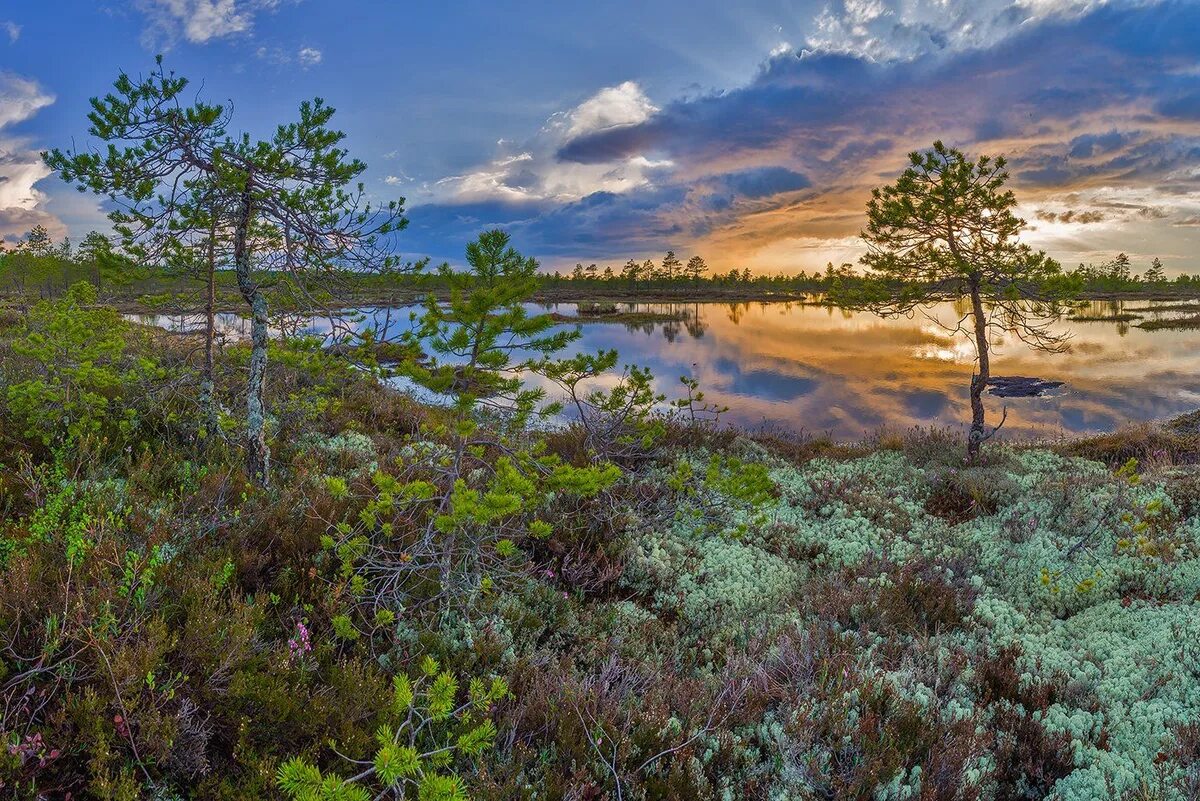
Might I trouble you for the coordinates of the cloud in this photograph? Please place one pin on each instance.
(1096, 104)
(1072, 215)
(759, 182)
(12, 29)
(599, 225)
(894, 30)
(612, 107)
(20, 99)
(531, 171)
(21, 167)
(1090, 145)
(199, 21)
(1080, 96)
(1033, 84)
(309, 56)
(305, 57)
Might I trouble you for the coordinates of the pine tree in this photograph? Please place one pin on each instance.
(476, 337)
(291, 203)
(37, 242)
(946, 231)
(670, 265)
(630, 271)
(1154, 274)
(1118, 268)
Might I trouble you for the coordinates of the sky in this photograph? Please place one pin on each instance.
(750, 133)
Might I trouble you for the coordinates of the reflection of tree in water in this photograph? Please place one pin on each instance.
(736, 311)
(692, 322)
(672, 318)
(684, 318)
(1116, 309)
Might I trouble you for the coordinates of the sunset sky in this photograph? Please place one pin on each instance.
(748, 132)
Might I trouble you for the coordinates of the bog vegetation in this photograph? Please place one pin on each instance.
(461, 600)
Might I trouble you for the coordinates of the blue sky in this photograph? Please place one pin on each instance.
(750, 132)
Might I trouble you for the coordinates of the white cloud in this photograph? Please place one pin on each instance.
(534, 172)
(20, 99)
(888, 30)
(12, 29)
(624, 104)
(305, 57)
(21, 167)
(199, 21)
(309, 56)
(396, 180)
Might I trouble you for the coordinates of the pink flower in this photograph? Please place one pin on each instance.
(300, 643)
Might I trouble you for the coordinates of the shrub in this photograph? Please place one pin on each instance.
(427, 732)
(76, 371)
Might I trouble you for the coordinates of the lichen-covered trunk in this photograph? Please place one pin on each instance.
(258, 457)
(979, 380)
(208, 403)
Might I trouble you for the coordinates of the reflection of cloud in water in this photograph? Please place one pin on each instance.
(924, 404)
(809, 368)
(870, 372)
(771, 385)
(1077, 420)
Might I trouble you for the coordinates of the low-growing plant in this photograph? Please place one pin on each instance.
(76, 371)
(430, 729)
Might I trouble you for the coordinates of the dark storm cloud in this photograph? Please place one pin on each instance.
(763, 181)
(1088, 145)
(598, 225)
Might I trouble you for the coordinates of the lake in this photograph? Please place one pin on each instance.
(808, 368)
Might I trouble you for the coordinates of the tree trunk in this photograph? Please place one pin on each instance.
(258, 457)
(207, 385)
(979, 380)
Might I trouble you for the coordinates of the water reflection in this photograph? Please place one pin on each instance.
(812, 367)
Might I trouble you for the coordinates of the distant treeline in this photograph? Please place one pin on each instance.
(36, 265)
(1112, 276)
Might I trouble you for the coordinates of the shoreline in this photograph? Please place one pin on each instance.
(136, 303)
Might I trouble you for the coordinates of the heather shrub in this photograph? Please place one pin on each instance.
(718, 617)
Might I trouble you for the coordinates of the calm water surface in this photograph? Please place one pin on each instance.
(795, 367)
